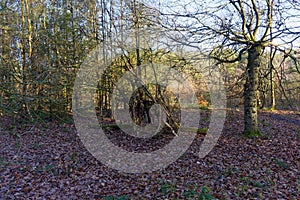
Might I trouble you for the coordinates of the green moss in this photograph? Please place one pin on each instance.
(272, 109)
(202, 131)
(252, 134)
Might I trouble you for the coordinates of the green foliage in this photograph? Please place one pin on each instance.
(241, 189)
(36, 146)
(167, 187)
(47, 168)
(231, 171)
(17, 145)
(205, 194)
(116, 197)
(191, 192)
(280, 163)
(3, 162)
(257, 184)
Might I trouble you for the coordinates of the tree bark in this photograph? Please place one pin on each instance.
(250, 90)
(24, 63)
(272, 88)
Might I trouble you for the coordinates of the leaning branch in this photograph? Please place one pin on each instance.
(238, 58)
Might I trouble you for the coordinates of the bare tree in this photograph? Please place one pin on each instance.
(247, 27)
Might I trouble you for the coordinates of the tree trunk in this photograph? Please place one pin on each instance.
(272, 89)
(24, 63)
(250, 91)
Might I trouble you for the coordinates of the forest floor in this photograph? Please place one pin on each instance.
(47, 160)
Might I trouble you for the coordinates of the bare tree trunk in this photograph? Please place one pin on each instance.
(250, 90)
(24, 63)
(272, 88)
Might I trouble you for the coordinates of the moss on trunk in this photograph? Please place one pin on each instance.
(250, 90)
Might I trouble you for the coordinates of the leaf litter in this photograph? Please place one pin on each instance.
(48, 161)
